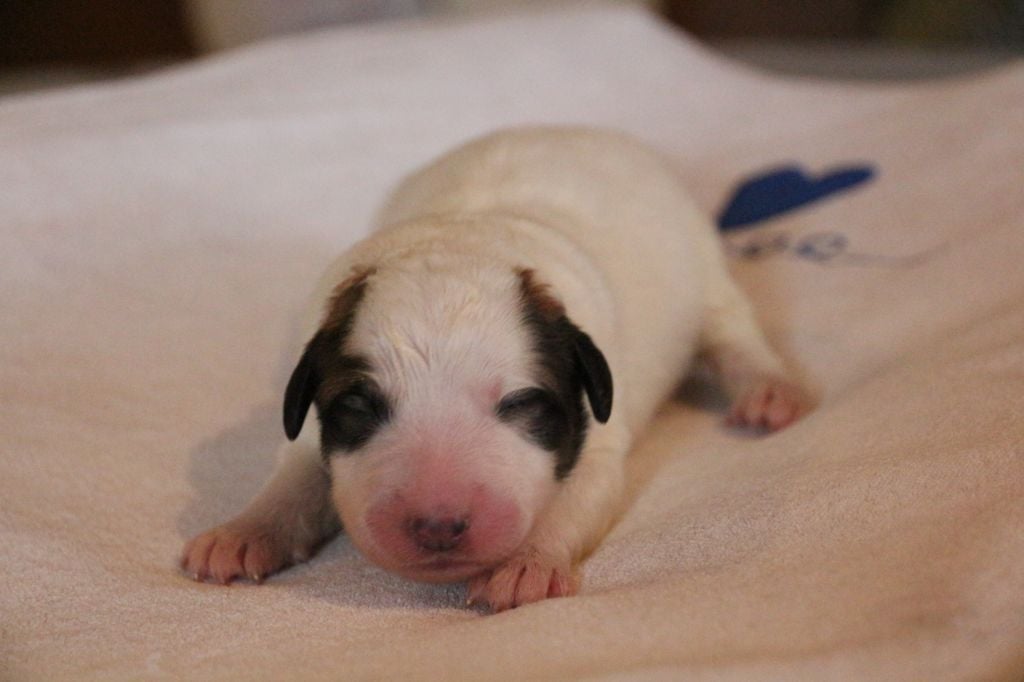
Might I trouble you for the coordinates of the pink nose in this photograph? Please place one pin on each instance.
(437, 534)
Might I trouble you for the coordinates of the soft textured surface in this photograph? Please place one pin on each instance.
(159, 238)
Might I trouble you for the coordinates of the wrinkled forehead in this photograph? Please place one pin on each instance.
(428, 334)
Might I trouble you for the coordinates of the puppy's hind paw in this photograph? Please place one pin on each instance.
(769, 403)
(525, 578)
(237, 550)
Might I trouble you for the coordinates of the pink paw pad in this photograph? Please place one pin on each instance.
(770, 403)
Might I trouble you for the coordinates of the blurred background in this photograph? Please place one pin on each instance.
(48, 43)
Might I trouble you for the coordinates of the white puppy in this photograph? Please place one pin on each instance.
(451, 351)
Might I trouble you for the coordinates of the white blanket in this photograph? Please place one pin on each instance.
(159, 237)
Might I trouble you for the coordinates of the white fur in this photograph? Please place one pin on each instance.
(605, 222)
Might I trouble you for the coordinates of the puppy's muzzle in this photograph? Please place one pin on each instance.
(443, 532)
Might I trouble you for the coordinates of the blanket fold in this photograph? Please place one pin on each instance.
(160, 236)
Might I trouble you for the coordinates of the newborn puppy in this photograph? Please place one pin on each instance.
(463, 360)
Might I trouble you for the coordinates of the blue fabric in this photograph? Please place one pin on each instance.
(767, 195)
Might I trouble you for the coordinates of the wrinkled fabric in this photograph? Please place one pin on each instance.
(160, 236)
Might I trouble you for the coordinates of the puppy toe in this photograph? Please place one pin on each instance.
(195, 558)
(500, 592)
(544, 580)
(263, 556)
(229, 552)
(770, 404)
(226, 557)
(524, 579)
(562, 584)
(476, 588)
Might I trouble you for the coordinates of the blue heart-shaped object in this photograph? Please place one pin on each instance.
(779, 191)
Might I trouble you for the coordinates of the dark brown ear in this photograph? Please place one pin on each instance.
(597, 377)
(589, 364)
(321, 351)
(301, 390)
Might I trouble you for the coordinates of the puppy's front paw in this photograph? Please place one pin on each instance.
(770, 403)
(525, 578)
(238, 549)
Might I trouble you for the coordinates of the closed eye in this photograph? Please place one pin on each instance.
(524, 400)
(354, 402)
(537, 414)
(353, 417)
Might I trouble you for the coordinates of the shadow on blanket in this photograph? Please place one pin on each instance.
(228, 469)
(225, 472)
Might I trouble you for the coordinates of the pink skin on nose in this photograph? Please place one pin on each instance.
(494, 529)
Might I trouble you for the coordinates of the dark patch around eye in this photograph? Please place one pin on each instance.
(351, 417)
(350, 406)
(563, 426)
(537, 414)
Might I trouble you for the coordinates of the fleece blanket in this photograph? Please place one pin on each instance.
(159, 238)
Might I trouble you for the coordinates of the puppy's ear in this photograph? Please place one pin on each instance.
(322, 351)
(301, 390)
(558, 334)
(597, 377)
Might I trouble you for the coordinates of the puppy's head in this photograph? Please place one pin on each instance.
(450, 401)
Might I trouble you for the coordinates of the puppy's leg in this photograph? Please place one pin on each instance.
(282, 525)
(571, 525)
(763, 394)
